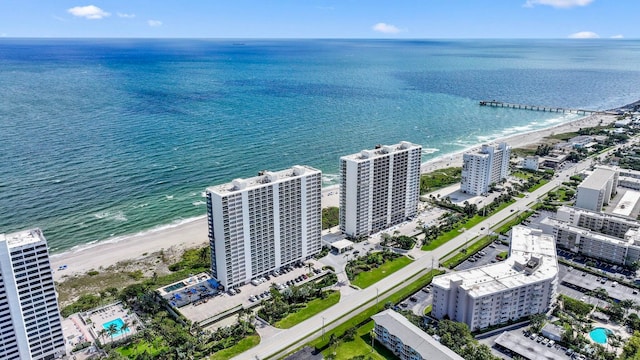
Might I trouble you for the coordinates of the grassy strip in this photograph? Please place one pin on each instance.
(475, 220)
(368, 278)
(538, 185)
(511, 223)
(471, 250)
(313, 307)
(242, 346)
(428, 309)
(363, 316)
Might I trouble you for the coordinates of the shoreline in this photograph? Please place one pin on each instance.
(193, 232)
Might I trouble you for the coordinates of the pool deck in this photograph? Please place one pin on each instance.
(82, 327)
(616, 329)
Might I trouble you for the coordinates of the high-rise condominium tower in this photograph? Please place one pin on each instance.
(481, 169)
(379, 188)
(260, 224)
(30, 326)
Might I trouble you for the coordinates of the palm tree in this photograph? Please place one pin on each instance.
(102, 333)
(627, 304)
(124, 328)
(333, 342)
(112, 330)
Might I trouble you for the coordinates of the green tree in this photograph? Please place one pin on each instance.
(537, 322)
(631, 350)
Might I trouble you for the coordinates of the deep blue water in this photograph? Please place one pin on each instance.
(103, 138)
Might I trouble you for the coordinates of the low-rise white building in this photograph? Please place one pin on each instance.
(601, 236)
(408, 341)
(531, 163)
(522, 285)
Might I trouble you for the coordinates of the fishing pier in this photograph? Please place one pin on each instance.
(501, 104)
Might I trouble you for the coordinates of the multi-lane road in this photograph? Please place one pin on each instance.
(351, 304)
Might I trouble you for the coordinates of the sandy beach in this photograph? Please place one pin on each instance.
(194, 233)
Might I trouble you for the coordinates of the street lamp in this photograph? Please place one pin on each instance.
(376, 297)
(323, 328)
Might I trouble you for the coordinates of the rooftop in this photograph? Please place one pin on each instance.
(423, 343)
(627, 203)
(532, 259)
(381, 151)
(597, 179)
(264, 178)
(22, 238)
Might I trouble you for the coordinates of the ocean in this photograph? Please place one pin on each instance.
(102, 138)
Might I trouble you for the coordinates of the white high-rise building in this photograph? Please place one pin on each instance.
(481, 169)
(596, 190)
(30, 324)
(379, 188)
(260, 224)
(522, 285)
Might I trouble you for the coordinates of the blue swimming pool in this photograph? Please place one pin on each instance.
(118, 323)
(599, 335)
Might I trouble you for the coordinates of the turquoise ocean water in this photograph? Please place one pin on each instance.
(104, 138)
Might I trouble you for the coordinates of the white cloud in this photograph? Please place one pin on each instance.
(154, 23)
(558, 3)
(91, 12)
(619, 36)
(584, 35)
(126, 16)
(385, 28)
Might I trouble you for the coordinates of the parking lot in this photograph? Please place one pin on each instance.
(575, 283)
(490, 252)
(533, 346)
(226, 302)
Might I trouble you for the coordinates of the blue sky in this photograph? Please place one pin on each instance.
(321, 18)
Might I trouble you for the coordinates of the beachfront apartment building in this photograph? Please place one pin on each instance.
(407, 341)
(596, 190)
(30, 323)
(612, 238)
(379, 188)
(263, 223)
(524, 284)
(480, 169)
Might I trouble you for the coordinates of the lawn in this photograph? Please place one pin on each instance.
(538, 185)
(475, 220)
(368, 278)
(522, 174)
(132, 350)
(361, 345)
(445, 237)
(242, 346)
(313, 307)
